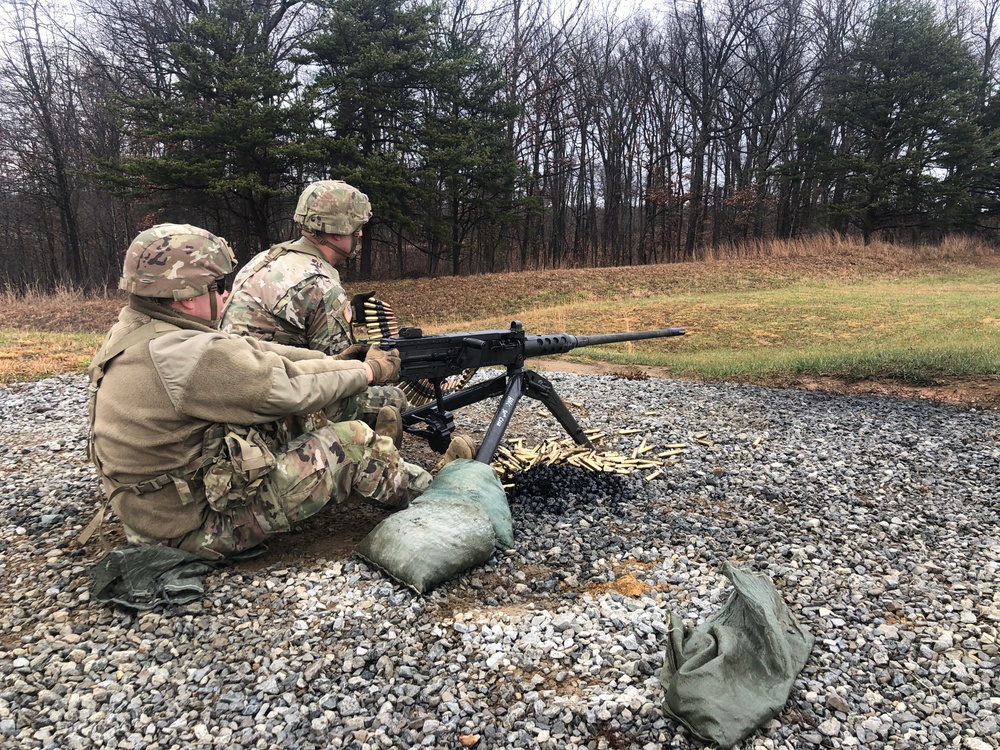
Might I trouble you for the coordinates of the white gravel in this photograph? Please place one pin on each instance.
(875, 517)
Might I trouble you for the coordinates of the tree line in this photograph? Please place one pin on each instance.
(492, 135)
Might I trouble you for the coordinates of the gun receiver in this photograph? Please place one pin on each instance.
(436, 357)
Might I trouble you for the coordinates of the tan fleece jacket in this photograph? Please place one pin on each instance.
(158, 399)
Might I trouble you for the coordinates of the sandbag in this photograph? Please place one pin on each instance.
(424, 545)
(733, 673)
(476, 483)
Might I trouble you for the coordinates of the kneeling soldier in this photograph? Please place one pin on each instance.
(188, 424)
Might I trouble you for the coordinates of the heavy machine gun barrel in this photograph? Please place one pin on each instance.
(433, 358)
(560, 343)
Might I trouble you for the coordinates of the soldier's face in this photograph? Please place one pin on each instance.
(355, 243)
(202, 307)
(340, 246)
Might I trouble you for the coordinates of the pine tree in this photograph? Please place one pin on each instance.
(469, 155)
(414, 117)
(909, 146)
(231, 141)
(374, 58)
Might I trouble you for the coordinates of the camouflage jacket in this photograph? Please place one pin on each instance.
(291, 295)
(159, 399)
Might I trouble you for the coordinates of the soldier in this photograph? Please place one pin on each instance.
(187, 422)
(291, 294)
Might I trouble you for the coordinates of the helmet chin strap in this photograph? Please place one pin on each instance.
(321, 242)
(214, 307)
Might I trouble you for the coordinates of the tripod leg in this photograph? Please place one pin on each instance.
(541, 389)
(469, 395)
(439, 423)
(498, 425)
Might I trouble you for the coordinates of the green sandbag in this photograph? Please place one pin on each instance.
(476, 483)
(733, 673)
(424, 545)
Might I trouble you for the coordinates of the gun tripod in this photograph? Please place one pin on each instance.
(517, 382)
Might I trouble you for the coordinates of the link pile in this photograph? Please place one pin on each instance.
(554, 489)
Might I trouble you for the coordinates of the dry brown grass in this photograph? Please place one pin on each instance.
(63, 311)
(494, 298)
(436, 302)
(46, 334)
(27, 355)
(572, 300)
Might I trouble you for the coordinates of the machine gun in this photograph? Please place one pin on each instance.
(434, 358)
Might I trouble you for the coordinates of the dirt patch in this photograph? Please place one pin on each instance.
(332, 534)
(978, 393)
(627, 585)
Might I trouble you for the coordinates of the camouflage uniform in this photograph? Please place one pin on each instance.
(187, 423)
(291, 294)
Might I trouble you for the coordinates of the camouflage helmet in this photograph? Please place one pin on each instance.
(332, 206)
(175, 261)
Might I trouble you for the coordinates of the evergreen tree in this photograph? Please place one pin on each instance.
(232, 138)
(374, 59)
(468, 154)
(909, 148)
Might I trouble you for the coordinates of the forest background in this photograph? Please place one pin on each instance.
(497, 135)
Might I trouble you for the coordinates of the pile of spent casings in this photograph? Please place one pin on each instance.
(557, 475)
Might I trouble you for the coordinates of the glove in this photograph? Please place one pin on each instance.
(354, 351)
(384, 364)
(358, 316)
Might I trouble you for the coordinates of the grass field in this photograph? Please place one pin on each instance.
(780, 310)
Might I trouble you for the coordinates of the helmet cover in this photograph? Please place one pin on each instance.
(175, 261)
(332, 206)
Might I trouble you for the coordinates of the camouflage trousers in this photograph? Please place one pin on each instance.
(327, 465)
(363, 406)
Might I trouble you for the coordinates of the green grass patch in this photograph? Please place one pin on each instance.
(913, 330)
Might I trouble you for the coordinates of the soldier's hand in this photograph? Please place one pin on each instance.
(383, 364)
(358, 313)
(354, 351)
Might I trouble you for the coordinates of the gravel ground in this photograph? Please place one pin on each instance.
(875, 517)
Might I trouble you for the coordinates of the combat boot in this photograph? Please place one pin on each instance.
(389, 423)
(461, 446)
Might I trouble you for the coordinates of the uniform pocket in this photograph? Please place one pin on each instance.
(241, 462)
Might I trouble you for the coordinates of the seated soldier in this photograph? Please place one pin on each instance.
(291, 294)
(187, 423)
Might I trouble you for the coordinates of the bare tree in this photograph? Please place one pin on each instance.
(39, 93)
